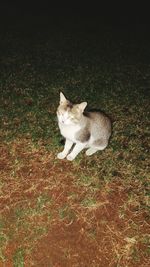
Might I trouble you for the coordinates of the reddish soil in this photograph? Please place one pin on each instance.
(65, 231)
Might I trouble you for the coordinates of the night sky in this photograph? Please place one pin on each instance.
(105, 12)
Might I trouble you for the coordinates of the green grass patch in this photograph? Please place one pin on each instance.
(18, 258)
(65, 212)
(88, 202)
(43, 202)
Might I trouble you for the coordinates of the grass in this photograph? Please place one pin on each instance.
(66, 213)
(88, 202)
(19, 258)
(104, 197)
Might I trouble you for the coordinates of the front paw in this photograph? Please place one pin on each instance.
(70, 157)
(61, 155)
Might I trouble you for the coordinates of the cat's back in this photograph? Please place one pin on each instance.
(97, 117)
(98, 121)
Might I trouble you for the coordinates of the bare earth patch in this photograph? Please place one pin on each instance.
(54, 213)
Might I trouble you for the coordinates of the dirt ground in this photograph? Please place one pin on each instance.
(49, 217)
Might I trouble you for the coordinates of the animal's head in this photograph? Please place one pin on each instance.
(69, 113)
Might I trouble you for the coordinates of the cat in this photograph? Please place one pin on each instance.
(81, 129)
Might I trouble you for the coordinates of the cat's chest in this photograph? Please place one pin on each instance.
(69, 131)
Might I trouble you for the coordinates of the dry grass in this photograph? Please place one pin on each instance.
(93, 211)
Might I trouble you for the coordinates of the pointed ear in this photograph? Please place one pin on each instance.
(82, 106)
(62, 98)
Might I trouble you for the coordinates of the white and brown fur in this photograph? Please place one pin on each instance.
(81, 129)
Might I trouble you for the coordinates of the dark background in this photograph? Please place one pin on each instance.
(101, 12)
